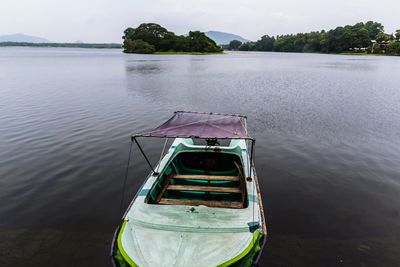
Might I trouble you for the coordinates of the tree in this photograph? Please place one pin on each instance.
(373, 29)
(313, 42)
(199, 42)
(248, 46)
(137, 46)
(393, 48)
(266, 43)
(234, 45)
(151, 33)
(182, 44)
(376, 48)
(168, 42)
(397, 35)
(383, 37)
(129, 33)
(338, 40)
(361, 38)
(151, 37)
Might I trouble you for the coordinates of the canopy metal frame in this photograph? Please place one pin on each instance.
(134, 137)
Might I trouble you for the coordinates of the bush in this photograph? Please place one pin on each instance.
(393, 48)
(138, 46)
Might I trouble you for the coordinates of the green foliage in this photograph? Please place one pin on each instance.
(397, 35)
(393, 48)
(266, 43)
(356, 37)
(199, 42)
(384, 37)
(343, 39)
(376, 49)
(373, 29)
(138, 46)
(234, 45)
(248, 46)
(150, 33)
(151, 37)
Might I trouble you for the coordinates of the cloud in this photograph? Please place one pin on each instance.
(105, 20)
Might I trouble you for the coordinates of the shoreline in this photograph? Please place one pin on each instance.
(185, 53)
(114, 46)
(64, 45)
(365, 54)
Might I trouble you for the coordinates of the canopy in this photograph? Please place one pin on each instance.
(201, 125)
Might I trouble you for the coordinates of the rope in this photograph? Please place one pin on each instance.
(126, 177)
(162, 154)
(253, 181)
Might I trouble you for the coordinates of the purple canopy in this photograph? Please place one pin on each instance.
(202, 125)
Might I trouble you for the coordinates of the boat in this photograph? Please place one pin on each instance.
(201, 203)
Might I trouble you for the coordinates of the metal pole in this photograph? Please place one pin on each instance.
(162, 154)
(251, 154)
(145, 157)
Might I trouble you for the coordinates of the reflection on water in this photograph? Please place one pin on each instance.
(144, 68)
(327, 151)
(349, 65)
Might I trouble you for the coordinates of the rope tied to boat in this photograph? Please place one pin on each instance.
(162, 154)
(126, 178)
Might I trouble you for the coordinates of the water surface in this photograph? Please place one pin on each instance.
(327, 151)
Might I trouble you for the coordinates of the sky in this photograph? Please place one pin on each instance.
(105, 20)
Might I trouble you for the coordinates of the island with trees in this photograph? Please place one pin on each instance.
(361, 38)
(150, 38)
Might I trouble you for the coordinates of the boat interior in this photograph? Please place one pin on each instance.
(213, 179)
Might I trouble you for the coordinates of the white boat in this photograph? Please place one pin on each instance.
(201, 204)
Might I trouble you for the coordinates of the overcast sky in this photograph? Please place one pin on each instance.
(105, 20)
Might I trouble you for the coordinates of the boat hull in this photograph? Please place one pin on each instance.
(184, 235)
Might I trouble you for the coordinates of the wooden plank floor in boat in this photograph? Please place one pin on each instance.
(209, 203)
(204, 188)
(207, 177)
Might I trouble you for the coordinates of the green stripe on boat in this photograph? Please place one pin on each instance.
(252, 248)
(121, 248)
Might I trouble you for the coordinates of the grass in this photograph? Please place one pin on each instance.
(187, 53)
(362, 54)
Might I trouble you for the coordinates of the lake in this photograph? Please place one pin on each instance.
(327, 150)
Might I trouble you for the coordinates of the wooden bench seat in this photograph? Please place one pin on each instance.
(207, 177)
(209, 203)
(204, 188)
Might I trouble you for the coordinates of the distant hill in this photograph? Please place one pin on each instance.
(224, 37)
(22, 38)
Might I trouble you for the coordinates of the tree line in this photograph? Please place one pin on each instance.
(148, 38)
(73, 45)
(368, 37)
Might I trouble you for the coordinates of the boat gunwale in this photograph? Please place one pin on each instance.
(262, 215)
